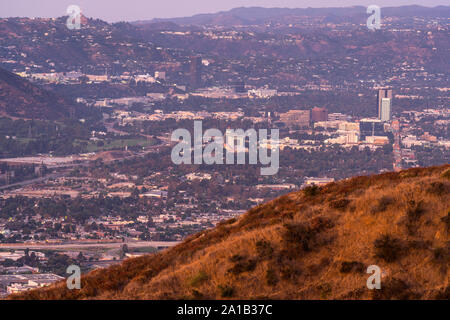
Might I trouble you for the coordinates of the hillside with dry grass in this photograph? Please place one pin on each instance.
(315, 243)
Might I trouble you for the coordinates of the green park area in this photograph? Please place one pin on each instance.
(112, 144)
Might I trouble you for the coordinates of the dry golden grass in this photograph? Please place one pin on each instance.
(305, 245)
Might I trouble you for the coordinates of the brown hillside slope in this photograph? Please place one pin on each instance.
(22, 99)
(311, 244)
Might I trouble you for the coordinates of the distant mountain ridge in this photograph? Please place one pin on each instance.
(39, 41)
(47, 44)
(258, 15)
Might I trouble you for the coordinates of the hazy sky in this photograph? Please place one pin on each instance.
(130, 10)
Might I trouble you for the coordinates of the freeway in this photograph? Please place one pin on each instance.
(86, 246)
(165, 142)
(36, 180)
